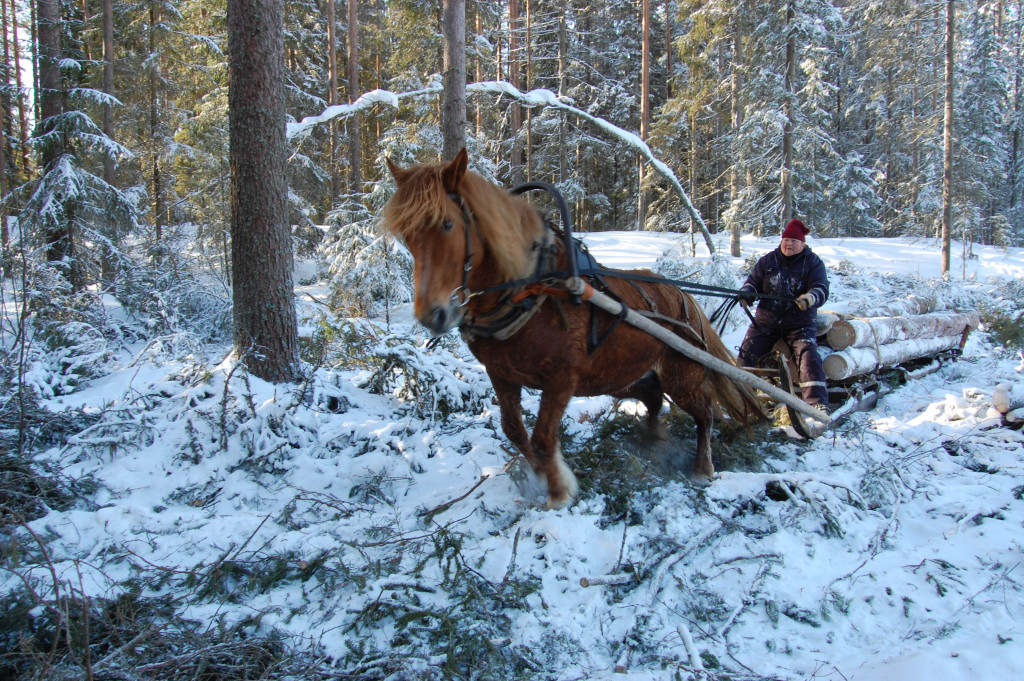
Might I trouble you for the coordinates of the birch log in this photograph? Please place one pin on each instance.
(913, 305)
(1008, 397)
(825, 320)
(866, 333)
(856, 361)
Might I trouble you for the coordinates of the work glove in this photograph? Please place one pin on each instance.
(805, 300)
(747, 296)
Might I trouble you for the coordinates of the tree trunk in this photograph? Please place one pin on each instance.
(787, 114)
(737, 121)
(669, 75)
(5, 235)
(355, 154)
(1018, 116)
(516, 118)
(332, 97)
(453, 106)
(866, 333)
(261, 247)
(947, 143)
(563, 50)
(694, 185)
(22, 113)
(857, 361)
(108, 268)
(479, 113)
(159, 200)
(645, 107)
(59, 242)
(527, 84)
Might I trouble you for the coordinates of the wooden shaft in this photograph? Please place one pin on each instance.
(577, 285)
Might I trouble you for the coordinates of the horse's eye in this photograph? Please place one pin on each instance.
(447, 226)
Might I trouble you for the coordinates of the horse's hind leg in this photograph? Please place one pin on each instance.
(687, 391)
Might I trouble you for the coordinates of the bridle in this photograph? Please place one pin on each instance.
(461, 296)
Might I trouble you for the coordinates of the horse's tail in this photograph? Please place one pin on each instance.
(737, 399)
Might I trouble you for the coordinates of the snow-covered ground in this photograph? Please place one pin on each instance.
(384, 534)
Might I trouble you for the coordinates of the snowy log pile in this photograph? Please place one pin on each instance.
(901, 331)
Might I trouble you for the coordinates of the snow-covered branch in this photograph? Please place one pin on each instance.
(533, 98)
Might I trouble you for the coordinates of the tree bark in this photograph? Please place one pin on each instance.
(332, 96)
(265, 324)
(787, 114)
(857, 361)
(947, 143)
(453, 106)
(737, 121)
(645, 107)
(108, 272)
(516, 118)
(527, 84)
(22, 113)
(159, 200)
(5, 236)
(355, 154)
(59, 237)
(871, 332)
(1018, 69)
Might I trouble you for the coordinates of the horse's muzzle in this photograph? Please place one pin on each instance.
(441, 319)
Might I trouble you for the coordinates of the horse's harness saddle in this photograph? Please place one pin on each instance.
(521, 301)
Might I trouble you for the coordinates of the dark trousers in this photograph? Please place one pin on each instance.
(803, 343)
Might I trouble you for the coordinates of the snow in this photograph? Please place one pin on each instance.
(887, 550)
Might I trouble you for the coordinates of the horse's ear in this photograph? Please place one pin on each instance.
(396, 172)
(454, 172)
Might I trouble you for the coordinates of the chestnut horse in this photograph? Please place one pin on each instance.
(468, 236)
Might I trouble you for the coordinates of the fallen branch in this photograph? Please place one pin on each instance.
(696, 664)
(429, 515)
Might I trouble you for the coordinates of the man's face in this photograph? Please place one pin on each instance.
(790, 247)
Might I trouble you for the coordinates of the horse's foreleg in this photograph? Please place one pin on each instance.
(562, 485)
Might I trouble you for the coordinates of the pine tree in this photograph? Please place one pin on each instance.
(261, 247)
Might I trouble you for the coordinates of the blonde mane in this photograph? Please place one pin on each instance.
(508, 225)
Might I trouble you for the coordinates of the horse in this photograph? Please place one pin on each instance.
(472, 244)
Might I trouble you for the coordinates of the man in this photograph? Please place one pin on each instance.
(795, 279)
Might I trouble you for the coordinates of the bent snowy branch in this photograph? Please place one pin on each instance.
(533, 98)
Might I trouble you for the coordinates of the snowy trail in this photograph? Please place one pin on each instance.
(890, 549)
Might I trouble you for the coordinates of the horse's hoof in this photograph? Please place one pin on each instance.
(654, 434)
(701, 479)
(560, 502)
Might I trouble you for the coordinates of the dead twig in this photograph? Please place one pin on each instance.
(429, 515)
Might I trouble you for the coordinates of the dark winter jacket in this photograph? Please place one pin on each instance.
(776, 275)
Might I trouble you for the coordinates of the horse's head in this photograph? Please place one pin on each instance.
(426, 213)
(463, 232)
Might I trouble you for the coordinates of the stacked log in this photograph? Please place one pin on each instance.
(843, 364)
(853, 346)
(864, 333)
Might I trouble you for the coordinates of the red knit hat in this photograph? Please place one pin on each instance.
(795, 230)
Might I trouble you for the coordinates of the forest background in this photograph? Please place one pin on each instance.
(832, 111)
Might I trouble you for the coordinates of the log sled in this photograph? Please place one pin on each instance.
(866, 354)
